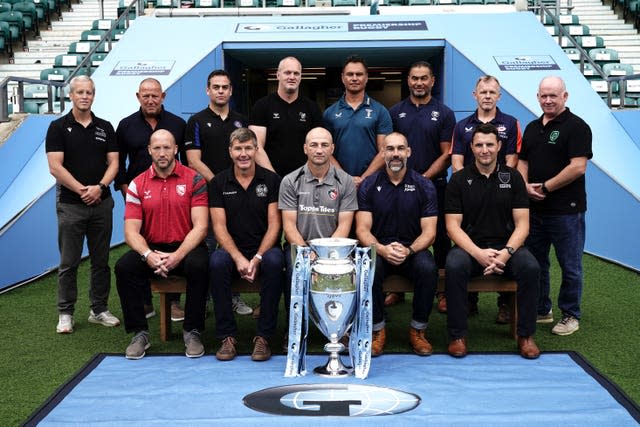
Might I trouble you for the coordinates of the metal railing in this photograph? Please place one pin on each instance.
(107, 39)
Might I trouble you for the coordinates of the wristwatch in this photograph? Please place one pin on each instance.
(102, 186)
(544, 189)
(510, 250)
(411, 251)
(145, 255)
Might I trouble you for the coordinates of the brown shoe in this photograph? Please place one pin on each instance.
(504, 315)
(393, 298)
(458, 347)
(177, 314)
(227, 350)
(442, 302)
(419, 342)
(377, 342)
(261, 350)
(528, 348)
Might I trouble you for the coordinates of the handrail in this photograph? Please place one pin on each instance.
(4, 95)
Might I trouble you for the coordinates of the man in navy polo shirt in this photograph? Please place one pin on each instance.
(206, 142)
(358, 123)
(133, 135)
(555, 151)
(428, 126)
(398, 214)
(281, 121)
(487, 95)
(83, 158)
(487, 215)
(243, 203)
(165, 224)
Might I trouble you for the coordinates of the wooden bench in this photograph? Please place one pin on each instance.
(177, 284)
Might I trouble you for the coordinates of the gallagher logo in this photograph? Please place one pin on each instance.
(346, 400)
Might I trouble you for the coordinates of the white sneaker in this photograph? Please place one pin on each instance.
(65, 324)
(105, 318)
(240, 306)
(566, 326)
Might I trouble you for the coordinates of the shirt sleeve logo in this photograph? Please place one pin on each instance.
(181, 189)
(262, 190)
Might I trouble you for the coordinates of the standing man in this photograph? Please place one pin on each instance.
(428, 126)
(555, 150)
(207, 144)
(133, 134)
(487, 95)
(243, 202)
(165, 224)
(398, 214)
(316, 200)
(487, 214)
(83, 158)
(281, 121)
(357, 123)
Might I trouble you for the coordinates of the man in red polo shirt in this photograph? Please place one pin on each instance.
(165, 225)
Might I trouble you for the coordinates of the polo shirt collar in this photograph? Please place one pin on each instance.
(259, 175)
(330, 179)
(405, 179)
(178, 170)
(476, 172)
(559, 118)
(71, 120)
(497, 116)
(366, 101)
(161, 115)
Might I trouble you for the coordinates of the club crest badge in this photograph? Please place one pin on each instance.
(181, 189)
(262, 190)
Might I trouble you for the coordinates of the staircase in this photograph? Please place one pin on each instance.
(41, 53)
(617, 34)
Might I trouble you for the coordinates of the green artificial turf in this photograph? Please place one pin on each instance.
(35, 360)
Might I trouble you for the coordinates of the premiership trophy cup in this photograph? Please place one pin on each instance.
(335, 290)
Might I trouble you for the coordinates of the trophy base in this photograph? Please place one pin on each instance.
(334, 368)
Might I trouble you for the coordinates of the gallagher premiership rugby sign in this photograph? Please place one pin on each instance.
(317, 400)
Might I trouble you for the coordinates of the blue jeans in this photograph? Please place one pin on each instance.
(222, 269)
(566, 233)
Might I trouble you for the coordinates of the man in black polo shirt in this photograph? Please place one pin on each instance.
(281, 121)
(133, 134)
(398, 214)
(246, 223)
(553, 160)
(487, 217)
(207, 143)
(83, 158)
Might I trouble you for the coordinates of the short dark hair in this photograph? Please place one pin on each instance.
(243, 135)
(355, 59)
(485, 128)
(424, 64)
(215, 73)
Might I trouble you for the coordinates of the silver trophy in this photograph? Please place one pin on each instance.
(332, 298)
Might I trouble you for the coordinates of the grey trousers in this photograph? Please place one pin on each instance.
(75, 222)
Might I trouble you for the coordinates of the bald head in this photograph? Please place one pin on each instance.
(318, 146)
(289, 76)
(552, 96)
(150, 96)
(163, 150)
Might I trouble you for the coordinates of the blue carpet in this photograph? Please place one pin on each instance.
(478, 390)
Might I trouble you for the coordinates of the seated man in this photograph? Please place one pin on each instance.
(317, 199)
(165, 224)
(398, 214)
(246, 222)
(487, 217)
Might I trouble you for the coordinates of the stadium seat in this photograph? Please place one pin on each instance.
(344, 3)
(419, 2)
(572, 53)
(69, 60)
(603, 55)
(564, 19)
(248, 3)
(590, 41)
(167, 3)
(5, 38)
(97, 58)
(16, 26)
(288, 3)
(57, 74)
(117, 33)
(613, 69)
(588, 70)
(29, 16)
(207, 3)
(461, 2)
(82, 47)
(5, 7)
(92, 35)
